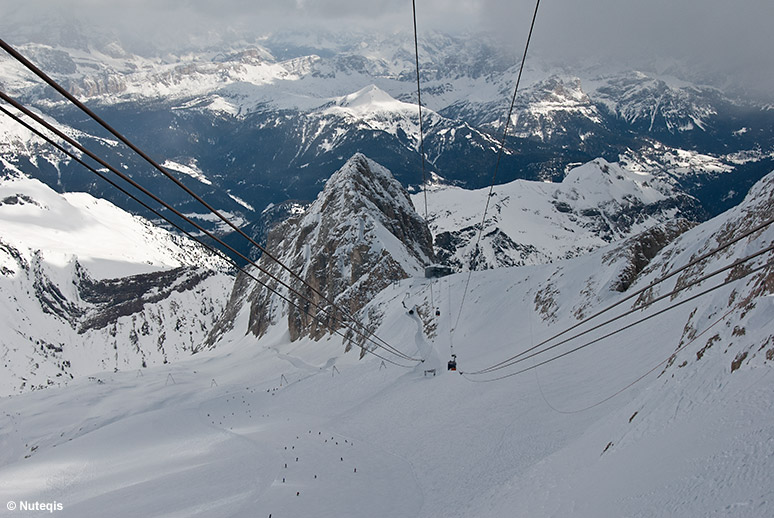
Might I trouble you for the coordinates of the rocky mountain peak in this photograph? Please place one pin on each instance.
(365, 190)
(561, 89)
(360, 234)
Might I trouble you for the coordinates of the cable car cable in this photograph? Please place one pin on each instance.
(515, 359)
(207, 246)
(74, 157)
(654, 283)
(632, 324)
(127, 179)
(29, 65)
(633, 310)
(421, 137)
(419, 106)
(500, 150)
(191, 236)
(669, 358)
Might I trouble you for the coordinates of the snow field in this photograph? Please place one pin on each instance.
(422, 445)
(207, 436)
(157, 463)
(108, 241)
(182, 429)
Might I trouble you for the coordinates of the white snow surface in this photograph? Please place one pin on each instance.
(191, 170)
(546, 219)
(106, 240)
(373, 99)
(303, 429)
(65, 262)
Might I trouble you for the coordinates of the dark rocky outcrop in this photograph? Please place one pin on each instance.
(360, 234)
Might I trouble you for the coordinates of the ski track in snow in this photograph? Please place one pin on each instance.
(425, 349)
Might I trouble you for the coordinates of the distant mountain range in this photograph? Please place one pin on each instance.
(612, 325)
(87, 286)
(255, 124)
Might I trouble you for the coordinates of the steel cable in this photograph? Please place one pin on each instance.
(56, 86)
(616, 331)
(497, 163)
(134, 184)
(637, 293)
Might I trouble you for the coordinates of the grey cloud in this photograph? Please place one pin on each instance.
(730, 40)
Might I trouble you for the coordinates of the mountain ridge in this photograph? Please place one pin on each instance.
(538, 222)
(233, 115)
(360, 235)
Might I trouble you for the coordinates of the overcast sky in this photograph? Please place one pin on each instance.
(731, 38)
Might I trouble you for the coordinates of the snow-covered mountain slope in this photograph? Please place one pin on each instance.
(538, 222)
(86, 287)
(107, 241)
(696, 440)
(360, 235)
(23, 152)
(373, 122)
(463, 79)
(627, 426)
(555, 105)
(663, 104)
(244, 74)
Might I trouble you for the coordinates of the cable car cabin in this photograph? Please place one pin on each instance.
(452, 365)
(435, 271)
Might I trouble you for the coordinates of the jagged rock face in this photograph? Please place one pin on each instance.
(639, 250)
(718, 324)
(722, 332)
(361, 234)
(62, 323)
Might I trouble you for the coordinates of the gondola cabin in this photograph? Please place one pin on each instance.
(434, 271)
